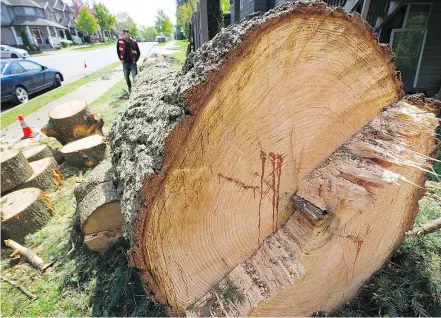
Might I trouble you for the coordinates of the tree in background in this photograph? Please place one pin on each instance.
(184, 14)
(86, 22)
(225, 6)
(105, 19)
(147, 34)
(125, 21)
(163, 23)
(77, 4)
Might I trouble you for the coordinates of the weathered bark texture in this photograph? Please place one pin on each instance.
(72, 121)
(23, 212)
(86, 152)
(37, 152)
(208, 159)
(15, 169)
(45, 176)
(100, 174)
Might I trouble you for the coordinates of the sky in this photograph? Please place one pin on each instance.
(143, 12)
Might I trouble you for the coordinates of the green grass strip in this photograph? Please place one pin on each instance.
(10, 116)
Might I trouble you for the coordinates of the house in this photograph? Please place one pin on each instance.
(32, 19)
(411, 27)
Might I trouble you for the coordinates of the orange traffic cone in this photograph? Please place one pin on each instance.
(85, 65)
(27, 131)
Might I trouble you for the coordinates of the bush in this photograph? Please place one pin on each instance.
(66, 43)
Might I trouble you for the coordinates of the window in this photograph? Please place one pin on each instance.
(29, 11)
(15, 68)
(408, 42)
(19, 11)
(3, 65)
(30, 67)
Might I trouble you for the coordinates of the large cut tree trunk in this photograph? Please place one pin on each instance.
(209, 159)
(72, 121)
(15, 169)
(37, 152)
(23, 212)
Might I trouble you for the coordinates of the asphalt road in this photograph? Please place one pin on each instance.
(71, 62)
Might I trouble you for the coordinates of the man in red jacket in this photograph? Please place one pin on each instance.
(128, 52)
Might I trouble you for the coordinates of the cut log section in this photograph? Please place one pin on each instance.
(99, 242)
(86, 152)
(23, 212)
(208, 162)
(29, 255)
(100, 210)
(37, 152)
(100, 174)
(367, 194)
(72, 121)
(15, 169)
(46, 176)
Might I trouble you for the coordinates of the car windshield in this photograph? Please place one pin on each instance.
(3, 65)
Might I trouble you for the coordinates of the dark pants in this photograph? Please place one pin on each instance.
(127, 68)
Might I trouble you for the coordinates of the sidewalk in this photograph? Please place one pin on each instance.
(89, 92)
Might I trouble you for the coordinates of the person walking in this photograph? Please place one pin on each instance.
(128, 52)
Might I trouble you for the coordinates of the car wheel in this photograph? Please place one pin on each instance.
(57, 81)
(21, 95)
(14, 56)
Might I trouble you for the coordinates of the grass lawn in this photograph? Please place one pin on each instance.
(36, 103)
(181, 46)
(93, 47)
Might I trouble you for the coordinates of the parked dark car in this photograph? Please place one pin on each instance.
(21, 78)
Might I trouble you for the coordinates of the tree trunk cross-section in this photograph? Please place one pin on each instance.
(72, 121)
(23, 212)
(14, 168)
(370, 188)
(86, 152)
(37, 152)
(44, 176)
(208, 159)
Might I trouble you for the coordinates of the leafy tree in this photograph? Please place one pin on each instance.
(105, 19)
(163, 23)
(184, 15)
(86, 21)
(148, 33)
(225, 6)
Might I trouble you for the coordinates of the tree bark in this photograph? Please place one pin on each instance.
(429, 227)
(86, 152)
(23, 212)
(208, 159)
(72, 121)
(45, 176)
(37, 152)
(100, 174)
(15, 169)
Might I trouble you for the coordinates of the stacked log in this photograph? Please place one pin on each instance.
(86, 152)
(271, 109)
(46, 176)
(23, 212)
(98, 209)
(15, 169)
(37, 152)
(72, 121)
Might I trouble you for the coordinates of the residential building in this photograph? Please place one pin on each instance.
(28, 17)
(411, 27)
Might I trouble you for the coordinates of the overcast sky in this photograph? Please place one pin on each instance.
(142, 11)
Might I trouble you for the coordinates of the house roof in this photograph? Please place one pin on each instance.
(22, 3)
(45, 4)
(35, 21)
(6, 2)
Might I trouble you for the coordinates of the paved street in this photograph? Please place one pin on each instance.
(67, 62)
(71, 62)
